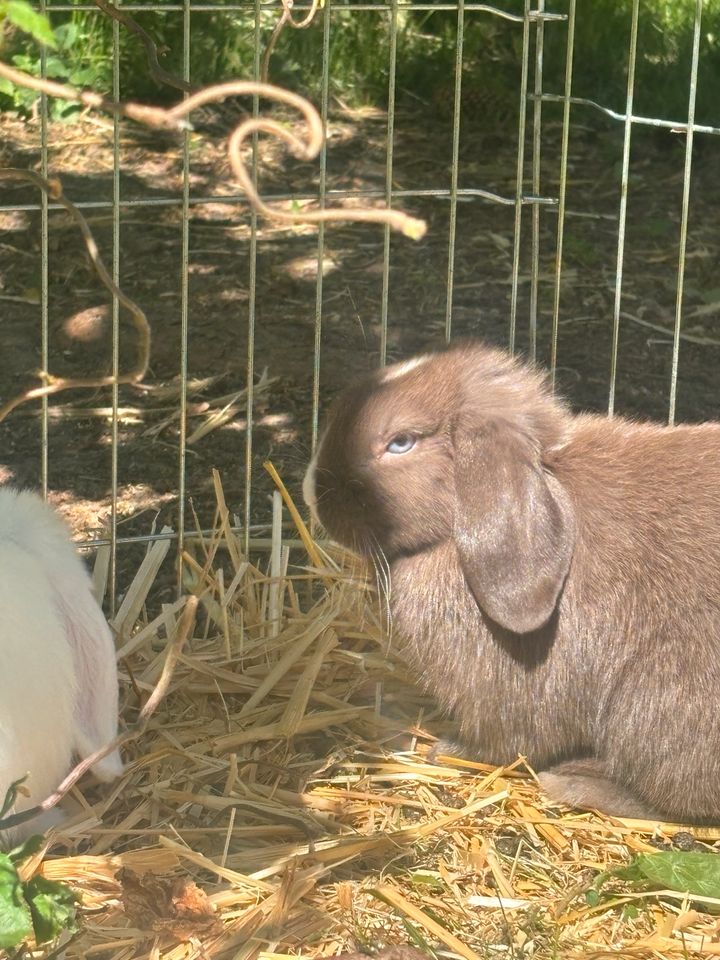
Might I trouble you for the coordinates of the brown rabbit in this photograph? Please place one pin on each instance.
(555, 579)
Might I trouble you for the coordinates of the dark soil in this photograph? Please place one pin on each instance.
(150, 264)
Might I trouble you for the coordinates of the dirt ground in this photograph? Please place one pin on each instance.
(150, 251)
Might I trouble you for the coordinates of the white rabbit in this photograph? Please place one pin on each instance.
(58, 678)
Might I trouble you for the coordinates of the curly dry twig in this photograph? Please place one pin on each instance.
(182, 632)
(151, 116)
(53, 190)
(285, 18)
(151, 49)
(303, 149)
(174, 119)
(301, 24)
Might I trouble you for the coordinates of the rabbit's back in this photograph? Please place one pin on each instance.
(647, 507)
(645, 590)
(58, 679)
(628, 668)
(30, 523)
(37, 682)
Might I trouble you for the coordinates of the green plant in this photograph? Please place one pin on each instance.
(686, 873)
(38, 907)
(664, 54)
(223, 45)
(21, 14)
(61, 63)
(65, 54)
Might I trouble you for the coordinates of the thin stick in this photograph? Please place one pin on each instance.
(151, 50)
(54, 191)
(286, 19)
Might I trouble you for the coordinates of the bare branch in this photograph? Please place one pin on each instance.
(53, 190)
(151, 50)
(182, 632)
(285, 18)
(300, 24)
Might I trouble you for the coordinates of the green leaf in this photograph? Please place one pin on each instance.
(66, 34)
(592, 897)
(27, 849)
(55, 68)
(424, 878)
(15, 919)
(83, 77)
(53, 907)
(30, 64)
(20, 13)
(693, 873)
(6, 87)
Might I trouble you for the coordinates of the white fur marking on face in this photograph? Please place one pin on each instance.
(400, 369)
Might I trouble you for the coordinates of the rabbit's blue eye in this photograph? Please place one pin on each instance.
(401, 443)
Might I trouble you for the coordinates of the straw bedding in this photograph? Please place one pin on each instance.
(280, 803)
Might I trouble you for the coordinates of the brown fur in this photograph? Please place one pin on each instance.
(555, 579)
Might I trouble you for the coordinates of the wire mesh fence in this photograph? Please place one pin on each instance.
(518, 230)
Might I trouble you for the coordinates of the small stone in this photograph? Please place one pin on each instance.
(683, 840)
(508, 845)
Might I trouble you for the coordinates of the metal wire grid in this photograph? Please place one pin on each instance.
(532, 22)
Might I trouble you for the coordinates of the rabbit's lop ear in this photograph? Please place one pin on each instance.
(514, 526)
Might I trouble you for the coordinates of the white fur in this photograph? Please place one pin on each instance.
(58, 679)
(309, 487)
(405, 366)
